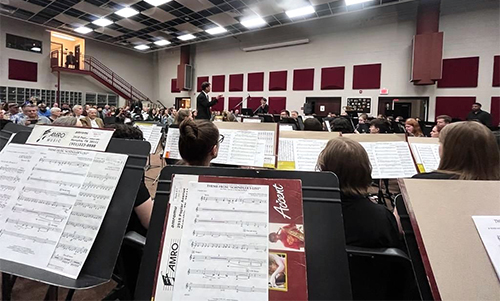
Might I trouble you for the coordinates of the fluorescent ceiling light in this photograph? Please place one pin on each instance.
(83, 30)
(37, 49)
(253, 22)
(298, 12)
(216, 30)
(157, 2)
(186, 37)
(127, 12)
(102, 22)
(142, 47)
(61, 36)
(162, 42)
(352, 2)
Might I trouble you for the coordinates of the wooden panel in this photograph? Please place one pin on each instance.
(460, 73)
(278, 80)
(454, 106)
(332, 78)
(367, 76)
(23, 70)
(218, 83)
(236, 82)
(303, 79)
(255, 81)
(427, 58)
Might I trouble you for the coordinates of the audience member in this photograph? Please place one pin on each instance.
(32, 117)
(78, 111)
(263, 108)
(312, 124)
(435, 131)
(92, 120)
(366, 224)
(378, 126)
(172, 112)
(43, 110)
(443, 120)
(55, 113)
(55, 105)
(468, 151)
(14, 115)
(203, 102)
(68, 121)
(2, 115)
(413, 128)
(198, 142)
(479, 115)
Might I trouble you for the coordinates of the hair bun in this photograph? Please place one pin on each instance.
(189, 129)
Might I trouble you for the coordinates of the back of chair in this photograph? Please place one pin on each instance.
(381, 274)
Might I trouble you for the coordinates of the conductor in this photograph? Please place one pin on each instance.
(263, 108)
(203, 102)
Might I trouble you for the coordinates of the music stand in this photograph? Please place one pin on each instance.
(100, 262)
(10, 129)
(327, 266)
(247, 112)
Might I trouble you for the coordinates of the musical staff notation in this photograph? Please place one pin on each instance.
(47, 216)
(89, 205)
(18, 170)
(101, 177)
(27, 237)
(227, 234)
(82, 225)
(60, 171)
(60, 183)
(229, 210)
(64, 163)
(93, 196)
(65, 261)
(232, 200)
(221, 273)
(237, 223)
(86, 215)
(235, 260)
(13, 179)
(237, 288)
(7, 188)
(71, 248)
(243, 247)
(47, 192)
(28, 225)
(92, 186)
(74, 236)
(56, 204)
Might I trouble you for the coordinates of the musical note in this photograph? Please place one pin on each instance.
(14, 179)
(90, 205)
(230, 210)
(65, 261)
(47, 216)
(71, 248)
(47, 192)
(101, 177)
(19, 170)
(93, 196)
(232, 201)
(87, 186)
(44, 202)
(236, 260)
(83, 226)
(60, 171)
(240, 223)
(63, 163)
(74, 236)
(60, 183)
(86, 215)
(7, 188)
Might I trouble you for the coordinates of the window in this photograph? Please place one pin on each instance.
(22, 43)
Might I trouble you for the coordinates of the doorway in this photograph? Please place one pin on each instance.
(182, 103)
(407, 107)
(323, 105)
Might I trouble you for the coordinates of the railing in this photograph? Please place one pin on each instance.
(104, 73)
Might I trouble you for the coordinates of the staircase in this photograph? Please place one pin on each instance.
(102, 74)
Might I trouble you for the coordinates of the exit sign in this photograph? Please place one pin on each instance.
(384, 91)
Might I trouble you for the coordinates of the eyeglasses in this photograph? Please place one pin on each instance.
(221, 139)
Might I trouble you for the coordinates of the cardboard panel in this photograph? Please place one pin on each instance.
(233, 101)
(278, 80)
(496, 71)
(255, 81)
(367, 76)
(332, 78)
(200, 80)
(236, 82)
(454, 106)
(173, 86)
(303, 79)
(23, 70)
(460, 73)
(218, 83)
(495, 110)
(276, 104)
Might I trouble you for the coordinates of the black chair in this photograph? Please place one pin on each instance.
(413, 250)
(381, 274)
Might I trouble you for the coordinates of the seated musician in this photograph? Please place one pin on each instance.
(468, 151)
(312, 124)
(198, 142)
(366, 224)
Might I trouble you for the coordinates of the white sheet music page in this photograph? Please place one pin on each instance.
(154, 138)
(241, 148)
(489, 231)
(223, 254)
(88, 213)
(390, 160)
(307, 152)
(427, 156)
(172, 144)
(42, 184)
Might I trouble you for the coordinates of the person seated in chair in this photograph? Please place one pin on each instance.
(366, 224)
(199, 142)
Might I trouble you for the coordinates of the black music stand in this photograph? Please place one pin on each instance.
(100, 262)
(10, 129)
(327, 265)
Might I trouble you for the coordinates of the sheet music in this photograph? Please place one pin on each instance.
(42, 191)
(426, 155)
(88, 213)
(268, 137)
(300, 154)
(152, 134)
(242, 148)
(172, 144)
(223, 254)
(390, 160)
(488, 228)
(70, 137)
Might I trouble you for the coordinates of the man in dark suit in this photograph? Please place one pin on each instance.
(203, 102)
(263, 108)
(479, 115)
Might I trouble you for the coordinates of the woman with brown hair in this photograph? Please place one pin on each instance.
(182, 115)
(413, 128)
(199, 142)
(366, 224)
(468, 151)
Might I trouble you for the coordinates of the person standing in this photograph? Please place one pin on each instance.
(479, 115)
(203, 102)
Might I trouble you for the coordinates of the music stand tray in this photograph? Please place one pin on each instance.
(100, 262)
(327, 265)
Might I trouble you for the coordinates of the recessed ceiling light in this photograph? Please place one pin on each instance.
(157, 2)
(127, 12)
(61, 36)
(102, 22)
(162, 42)
(186, 37)
(298, 12)
(141, 47)
(216, 30)
(352, 2)
(37, 49)
(253, 22)
(83, 30)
